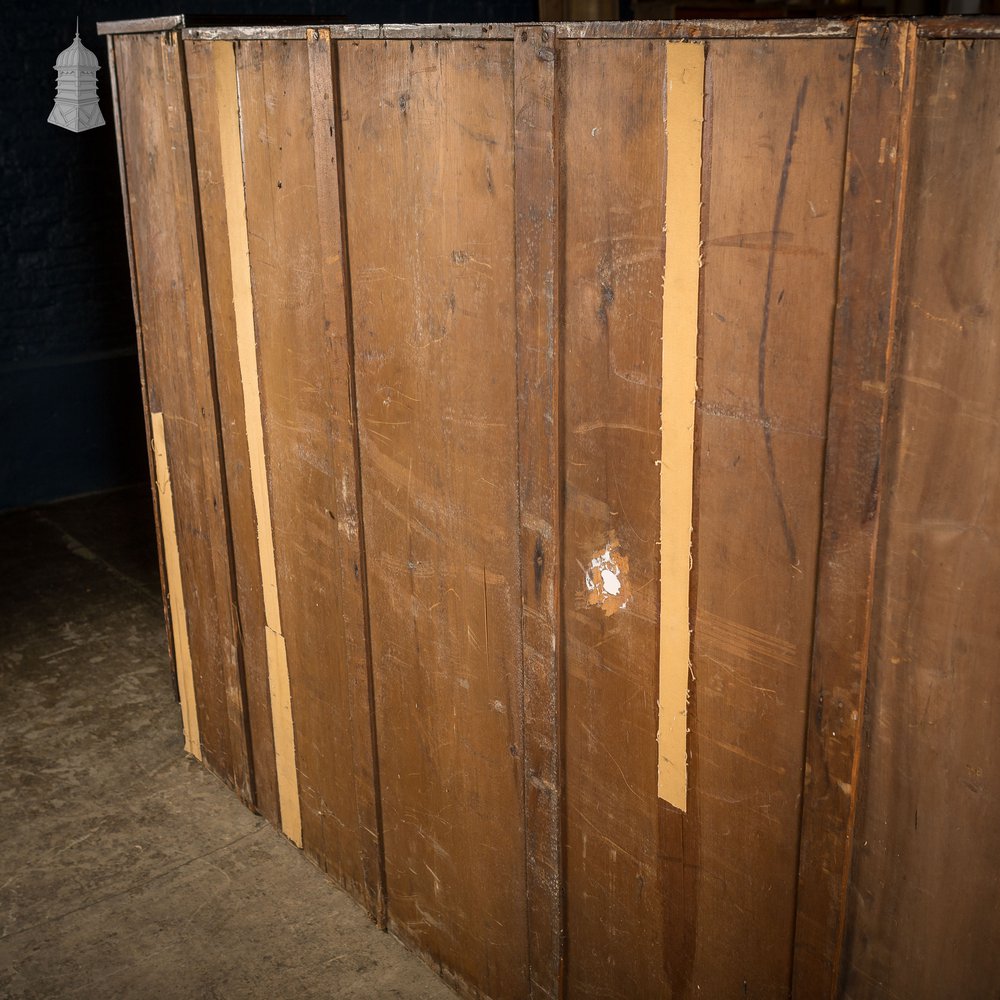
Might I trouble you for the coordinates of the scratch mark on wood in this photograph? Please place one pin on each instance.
(779, 208)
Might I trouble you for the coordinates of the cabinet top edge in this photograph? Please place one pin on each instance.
(141, 25)
(955, 27)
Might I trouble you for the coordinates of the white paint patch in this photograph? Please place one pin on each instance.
(604, 569)
(606, 578)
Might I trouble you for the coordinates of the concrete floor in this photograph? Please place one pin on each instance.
(126, 870)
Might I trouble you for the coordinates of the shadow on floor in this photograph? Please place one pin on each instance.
(126, 869)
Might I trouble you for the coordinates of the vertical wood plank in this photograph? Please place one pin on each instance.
(773, 198)
(428, 164)
(327, 144)
(242, 518)
(682, 265)
(923, 920)
(613, 162)
(712, 904)
(536, 253)
(864, 327)
(180, 379)
(137, 312)
(299, 313)
(236, 217)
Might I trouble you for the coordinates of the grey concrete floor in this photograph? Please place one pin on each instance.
(127, 870)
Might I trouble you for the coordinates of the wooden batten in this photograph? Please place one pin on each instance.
(682, 265)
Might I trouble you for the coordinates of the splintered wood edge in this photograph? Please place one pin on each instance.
(230, 142)
(140, 26)
(817, 28)
(175, 589)
(682, 226)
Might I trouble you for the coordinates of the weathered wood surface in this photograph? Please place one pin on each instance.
(306, 409)
(536, 234)
(171, 302)
(141, 25)
(243, 521)
(923, 919)
(129, 241)
(772, 220)
(345, 448)
(428, 157)
(818, 28)
(871, 228)
(612, 169)
(452, 264)
(715, 911)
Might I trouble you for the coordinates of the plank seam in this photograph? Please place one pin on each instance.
(244, 737)
(899, 204)
(231, 142)
(382, 900)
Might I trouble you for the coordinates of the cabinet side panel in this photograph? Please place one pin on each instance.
(924, 921)
(179, 379)
(428, 145)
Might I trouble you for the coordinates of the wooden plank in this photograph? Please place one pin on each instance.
(230, 142)
(714, 909)
(179, 377)
(771, 230)
(923, 918)
(682, 263)
(871, 228)
(613, 161)
(536, 234)
(175, 587)
(428, 141)
(242, 518)
(129, 240)
(343, 437)
(298, 313)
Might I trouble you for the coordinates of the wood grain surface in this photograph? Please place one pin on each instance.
(768, 292)
(536, 234)
(201, 76)
(171, 297)
(428, 161)
(923, 919)
(405, 296)
(303, 398)
(871, 227)
(719, 911)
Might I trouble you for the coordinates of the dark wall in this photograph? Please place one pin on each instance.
(70, 412)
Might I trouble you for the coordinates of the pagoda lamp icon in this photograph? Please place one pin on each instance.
(76, 106)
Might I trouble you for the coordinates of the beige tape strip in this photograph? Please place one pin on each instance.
(246, 342)
(175, 590)
(685, 108)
